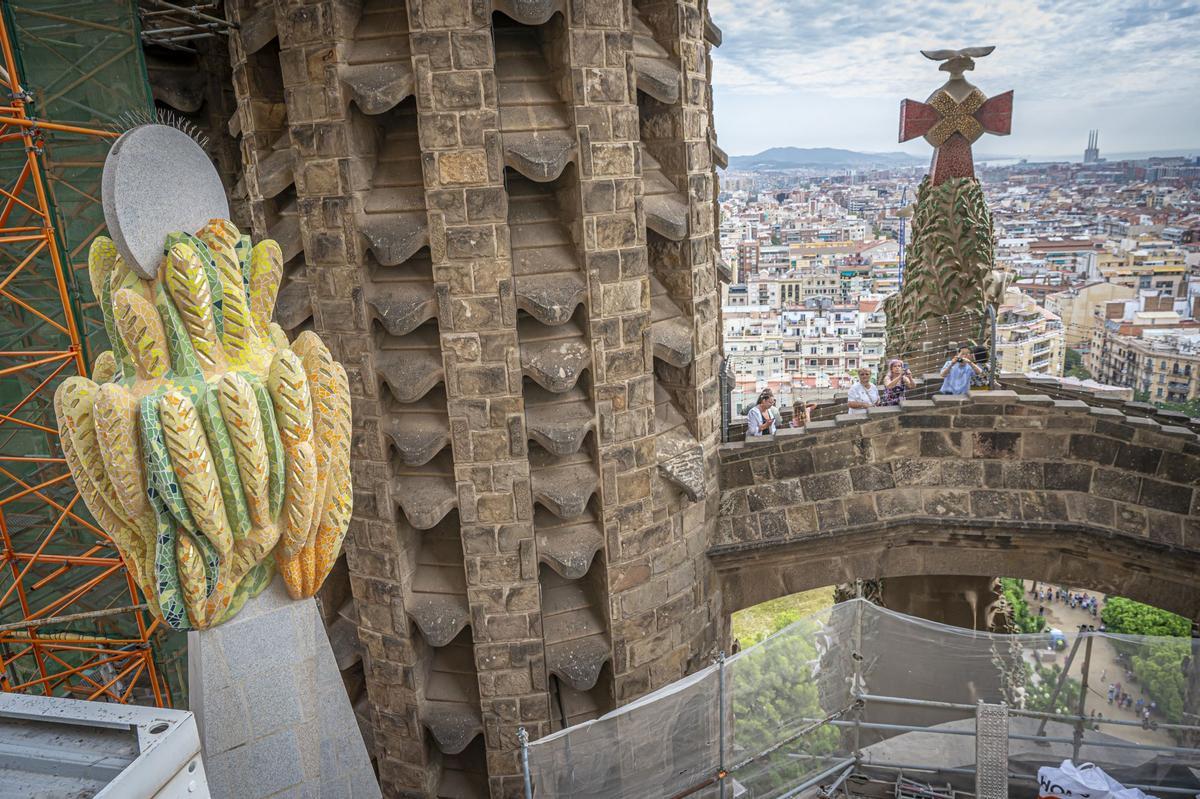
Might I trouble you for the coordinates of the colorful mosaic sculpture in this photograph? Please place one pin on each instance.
(949, 270)
(210, 450)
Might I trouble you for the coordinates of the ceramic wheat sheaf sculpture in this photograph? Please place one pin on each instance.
(209, 449)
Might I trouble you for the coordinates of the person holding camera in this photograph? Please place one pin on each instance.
(801, 413)
(863, 394)
(759, 420)
(958, 371)
(898, 380)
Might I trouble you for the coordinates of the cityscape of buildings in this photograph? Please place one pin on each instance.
(1103, 261)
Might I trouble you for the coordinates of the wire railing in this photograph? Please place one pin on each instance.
(969, 328)
(994, 351)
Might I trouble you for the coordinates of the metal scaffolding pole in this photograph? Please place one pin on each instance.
(57, 567)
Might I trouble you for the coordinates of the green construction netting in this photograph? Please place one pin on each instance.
(81, 63)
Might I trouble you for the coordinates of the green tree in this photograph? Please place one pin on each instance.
(1158, 665)
(1025, 620)
(1191, 407)
(772, 695)
(1073, 365)
(1121, 615)
(1040, 682)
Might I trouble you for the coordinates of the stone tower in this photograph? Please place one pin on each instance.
(502, 219)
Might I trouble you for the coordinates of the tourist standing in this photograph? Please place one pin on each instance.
(801, 413)
(897, 381)
(958, 371)
(760, 421)
(863, 394)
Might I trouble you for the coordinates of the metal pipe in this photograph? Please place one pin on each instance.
(879, 725)
(721, 773)
(1083, 689)
(91, 614)
(857, 657)
(1035, 714)
(992, 367)
(24, 122)
(814, 780)
(523, 739)
(183, 38)
(1062, 680)
(1012, 776)
(829, 791)
(192, 11)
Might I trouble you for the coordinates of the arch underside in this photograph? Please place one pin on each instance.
(1063, 553)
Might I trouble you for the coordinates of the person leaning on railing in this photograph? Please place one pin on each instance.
(759, 420)
(863, 394)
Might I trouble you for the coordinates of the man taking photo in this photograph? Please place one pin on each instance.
(958, 371)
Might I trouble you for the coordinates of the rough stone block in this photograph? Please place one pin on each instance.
(995, 505)
(1165, 496)
(1043, 506)
(826, 486)
(1068, 477)
(1022, 474)
(940, 445)
(831, 514)
(914, 473)
(1116, 484)
(996, 444)
(792, 463)
(872, 477)
(1138, 458)
(1093, 448)
(947, 502)
(963, 474)
(899, 502)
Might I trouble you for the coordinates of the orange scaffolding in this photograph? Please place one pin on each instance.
(57, 568)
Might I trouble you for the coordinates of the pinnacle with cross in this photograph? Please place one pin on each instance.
(955, 115)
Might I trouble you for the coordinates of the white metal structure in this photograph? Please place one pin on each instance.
(50, 746)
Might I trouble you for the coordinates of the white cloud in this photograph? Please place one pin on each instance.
(1070, 60)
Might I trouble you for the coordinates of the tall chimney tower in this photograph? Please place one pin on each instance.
(1092, 154)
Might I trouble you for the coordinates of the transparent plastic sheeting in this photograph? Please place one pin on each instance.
(670, 741)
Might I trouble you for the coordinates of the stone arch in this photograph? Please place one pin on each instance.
(992, 484)
(1079, 556)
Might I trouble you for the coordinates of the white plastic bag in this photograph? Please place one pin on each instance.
(1085, 781)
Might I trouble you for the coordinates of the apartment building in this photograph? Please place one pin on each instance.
(1029, 338)
(1152, 344)
(1141, 265)
(809, 351)
(1081, 308)
(1162, 364)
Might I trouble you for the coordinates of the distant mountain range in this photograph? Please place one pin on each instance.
(825, 158)
(819, 157)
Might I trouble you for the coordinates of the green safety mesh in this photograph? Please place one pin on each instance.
(81, 64)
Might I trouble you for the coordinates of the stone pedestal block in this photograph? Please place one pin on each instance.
(273, 714)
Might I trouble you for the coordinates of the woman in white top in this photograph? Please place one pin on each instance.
(759, 420)
(863, 394)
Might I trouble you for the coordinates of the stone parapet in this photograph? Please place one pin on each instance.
(969, 471)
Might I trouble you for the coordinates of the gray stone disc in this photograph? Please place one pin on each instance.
(157, 181)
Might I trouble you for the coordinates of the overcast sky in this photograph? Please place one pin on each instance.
(811, 73)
